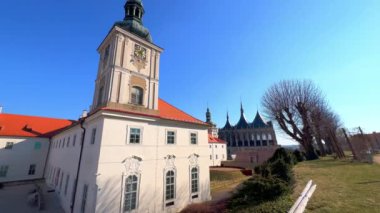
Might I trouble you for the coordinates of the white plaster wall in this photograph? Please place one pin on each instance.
(152, 150)
(218, 153)
(21, 156)
(64, 158)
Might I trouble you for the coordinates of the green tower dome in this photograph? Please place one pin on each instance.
(132, 22)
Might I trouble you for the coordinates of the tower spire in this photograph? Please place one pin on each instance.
(134, 12)
(208, 116)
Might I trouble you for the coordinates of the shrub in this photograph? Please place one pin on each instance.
(281, 153)
(257, 190)
(298, 155)
(280, 205)
(282, 170)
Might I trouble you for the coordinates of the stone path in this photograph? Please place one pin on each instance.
(14, 199)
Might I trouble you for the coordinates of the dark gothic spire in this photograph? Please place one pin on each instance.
(227, 125)
(132, 22)
(242, 123)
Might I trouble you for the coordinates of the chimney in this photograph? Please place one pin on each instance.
(84, 114)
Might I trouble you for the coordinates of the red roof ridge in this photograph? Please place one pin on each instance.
(182, 111)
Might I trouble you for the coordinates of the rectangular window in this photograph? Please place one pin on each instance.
(63, 144)
(210, 157)
(93, 136)
(216, 156)
(193, 138)
(32, 169)
(68, 142)
(170, 137)
(37, 145)
(3, 171)
(67, 183)
(74, 139)
(134, 135)
(60, 182)
(9, 145)
(84, 198)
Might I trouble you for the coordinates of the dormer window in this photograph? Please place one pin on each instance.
(137, 95)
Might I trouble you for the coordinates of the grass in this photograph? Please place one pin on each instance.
(342, 185)
(222, 179)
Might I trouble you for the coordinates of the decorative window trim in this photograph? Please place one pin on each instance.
(166, 136)
(124, 179)
(192, 197)
(129, 135)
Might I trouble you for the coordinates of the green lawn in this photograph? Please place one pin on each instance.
(222, 179)
(342, 186)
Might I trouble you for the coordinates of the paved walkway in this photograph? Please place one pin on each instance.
(13, 199)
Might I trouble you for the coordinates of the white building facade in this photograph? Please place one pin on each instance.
(134, 152)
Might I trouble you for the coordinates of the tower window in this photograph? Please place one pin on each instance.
(137, 95)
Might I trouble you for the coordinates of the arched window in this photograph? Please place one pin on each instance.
(194, 180)
(137, 95)
(170, 185)
(130, 193)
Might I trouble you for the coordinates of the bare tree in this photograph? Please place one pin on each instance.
(291, 104)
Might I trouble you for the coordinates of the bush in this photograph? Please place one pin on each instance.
(257, 190)
(298, 155)
(281, 153)
(280, 205)
(282, 170)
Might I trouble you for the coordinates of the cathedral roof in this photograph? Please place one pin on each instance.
(227, 125)
(30, 126)
(258, 122)
(242, 123)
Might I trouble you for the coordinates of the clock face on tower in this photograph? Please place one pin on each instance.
(139, 57)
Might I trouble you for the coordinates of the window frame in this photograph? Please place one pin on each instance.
(168, 202)
(191, 182)
(167, 135)
(4, 171)
(32, 169)
(138, 100)
(93, 136)
(196, 138)
(129, 132)
(137, 191)
(9, 145)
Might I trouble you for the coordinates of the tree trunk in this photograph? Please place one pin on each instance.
(309, 151)
(321, 147)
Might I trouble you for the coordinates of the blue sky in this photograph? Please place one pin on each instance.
(217, 52)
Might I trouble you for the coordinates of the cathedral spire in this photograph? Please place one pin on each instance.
(241, 108)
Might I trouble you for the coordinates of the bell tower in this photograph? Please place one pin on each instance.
(128, 72)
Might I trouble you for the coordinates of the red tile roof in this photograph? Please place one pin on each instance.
(166, 111)
(30, 126)
(212, 139)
